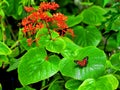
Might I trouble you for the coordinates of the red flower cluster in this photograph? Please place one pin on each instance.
(44, 6)
(28, 9)
(40, 18)
(60, 20)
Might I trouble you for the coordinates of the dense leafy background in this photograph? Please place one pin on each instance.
(50, 65)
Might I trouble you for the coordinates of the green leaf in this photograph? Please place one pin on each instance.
(103, 3)
(115, 60)
(106, 2)
(74, 20)
(0, 87)
(56, 45)
(2, 14)
(15, 52)
(107, 82)
(34, 67)
(118, 38)
(72, 84)
(4, 49)
(43, 37)
(109, 67)
(13, 66)
(93, 15)
(56, 85)
(1, 34)
(89, 36)
(116, 24)
(70, 49)
(24, 43)
(25, 88)
(86, 3)
(3, 60)
(20, 9)
(95, 66)
(111, 44)
(20, 34)
(12, 9)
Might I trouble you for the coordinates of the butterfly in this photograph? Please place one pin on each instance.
(82, 63)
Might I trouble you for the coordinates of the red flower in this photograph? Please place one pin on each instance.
(48, 6)
(39, 25)
(60, 20)
(33, 17)
(29, 41)
(59, 17)
(40, 18)
(28, 9)
(62, 24)
(25, 30)
(25, 21)
(45, 17)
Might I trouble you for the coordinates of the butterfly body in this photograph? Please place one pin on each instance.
(82, 63)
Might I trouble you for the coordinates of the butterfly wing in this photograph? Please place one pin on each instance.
(82, 63)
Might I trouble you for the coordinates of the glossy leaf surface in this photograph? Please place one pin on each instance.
(34, 66)
(94, 68)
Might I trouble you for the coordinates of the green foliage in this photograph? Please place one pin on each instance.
(74, 20)
(4, 49)
(3, 59)
(102, 83)
(14, 9)
(37, 67)
(47, 54)
(115, 59)
(56, 85)
(72, 84)
(102, 3)
(89, 36)
(94, 68)
(56, 45)
(25, 88)
(93, 15)
(68, 51)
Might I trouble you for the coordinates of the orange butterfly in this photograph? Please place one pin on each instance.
(82, 63)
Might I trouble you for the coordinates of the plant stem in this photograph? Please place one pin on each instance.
(106, 41)
(62, 76)
(45, 87)
(15, 44)
(48, 30)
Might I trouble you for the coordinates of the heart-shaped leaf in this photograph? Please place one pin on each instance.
(74, 20)
(44, 37)
(56, 45)
(24, 43)
(89, 36)
(115, 60)
(107, 82)
(56, 85)
(72, 84)
(93, 15)
(70, 48)
(4, 49)
(112, 44)
(94, 68)
(34, 67)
